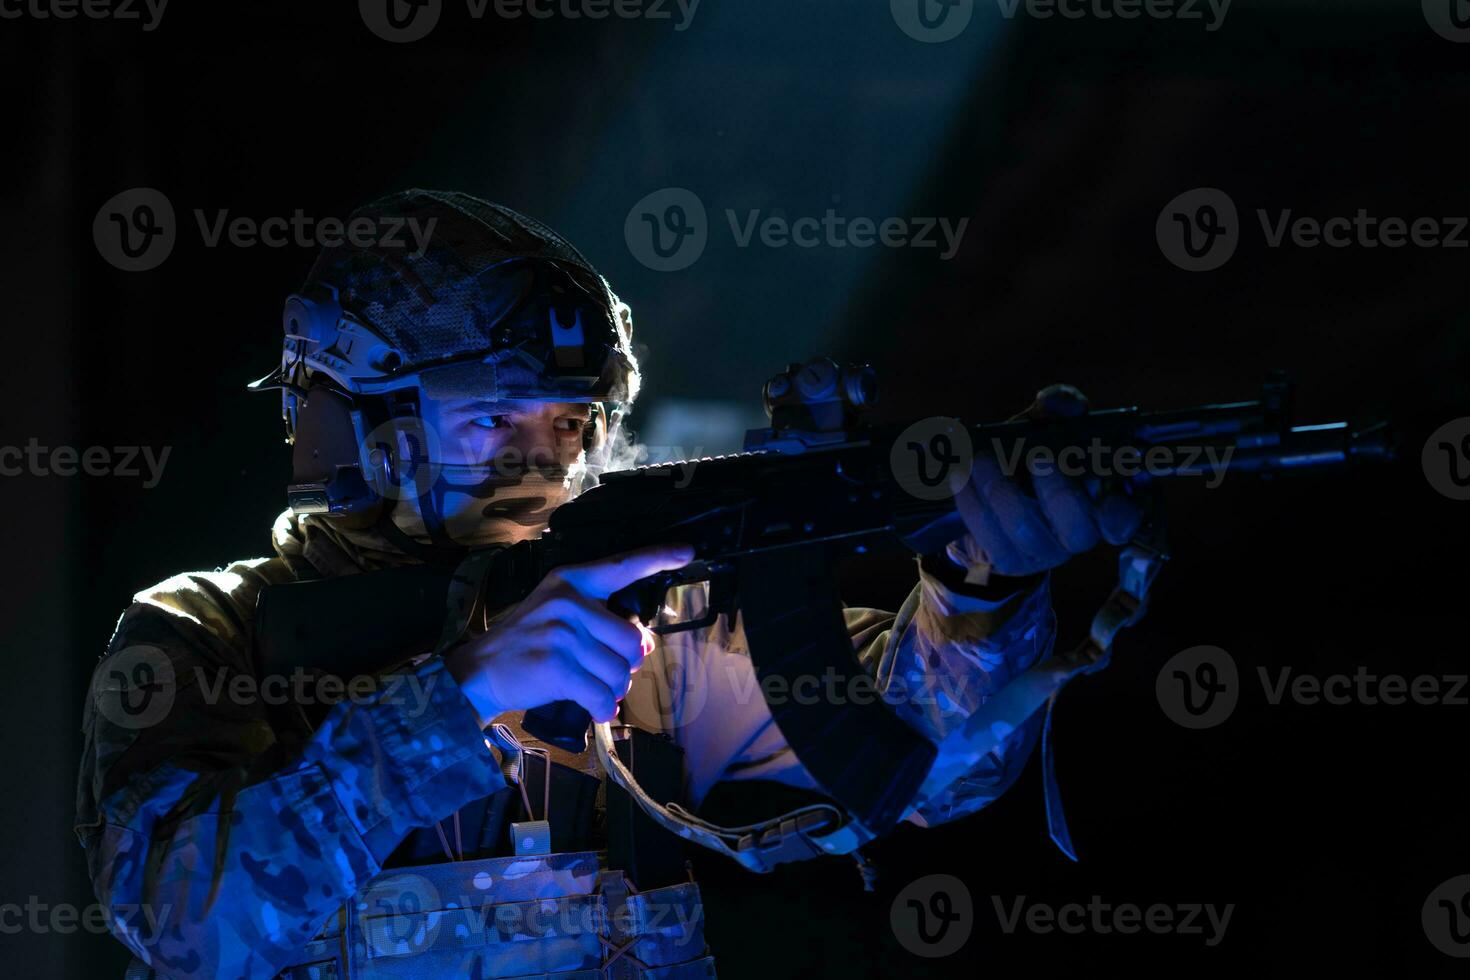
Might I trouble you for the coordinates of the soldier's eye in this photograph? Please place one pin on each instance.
(571, 424)
(491, 422)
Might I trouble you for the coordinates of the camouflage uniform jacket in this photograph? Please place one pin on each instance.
(221, 840)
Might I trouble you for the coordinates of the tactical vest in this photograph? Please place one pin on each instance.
(597, 891)
(552, 915)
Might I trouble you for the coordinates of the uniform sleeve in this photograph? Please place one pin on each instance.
(219, 848)
(949, 647)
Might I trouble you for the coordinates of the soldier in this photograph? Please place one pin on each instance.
(230, 837)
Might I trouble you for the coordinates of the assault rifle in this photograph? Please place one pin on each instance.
(767, 524)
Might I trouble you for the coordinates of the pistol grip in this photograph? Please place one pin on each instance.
(563, 724)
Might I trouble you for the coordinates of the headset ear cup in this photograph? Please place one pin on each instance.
(326, 455)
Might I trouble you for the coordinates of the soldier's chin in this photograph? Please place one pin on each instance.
(478, 530)
(513, 533)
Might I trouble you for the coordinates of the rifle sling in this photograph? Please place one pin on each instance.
(859, 751)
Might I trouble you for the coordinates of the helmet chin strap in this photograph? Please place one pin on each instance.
(441, 552)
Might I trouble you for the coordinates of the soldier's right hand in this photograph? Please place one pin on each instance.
(562, 642)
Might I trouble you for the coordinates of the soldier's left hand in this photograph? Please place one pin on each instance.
(1016, 531)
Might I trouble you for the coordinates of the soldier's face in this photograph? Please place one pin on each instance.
(510, 463)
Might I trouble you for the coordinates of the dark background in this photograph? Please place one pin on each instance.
(1061, 141)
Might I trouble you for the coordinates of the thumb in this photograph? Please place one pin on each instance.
(605, 576)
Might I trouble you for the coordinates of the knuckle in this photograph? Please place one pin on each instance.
(558, 636)
(561, 606)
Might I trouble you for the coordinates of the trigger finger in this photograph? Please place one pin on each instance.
(649, 642)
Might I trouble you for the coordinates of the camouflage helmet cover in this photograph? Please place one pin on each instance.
(496, 305)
